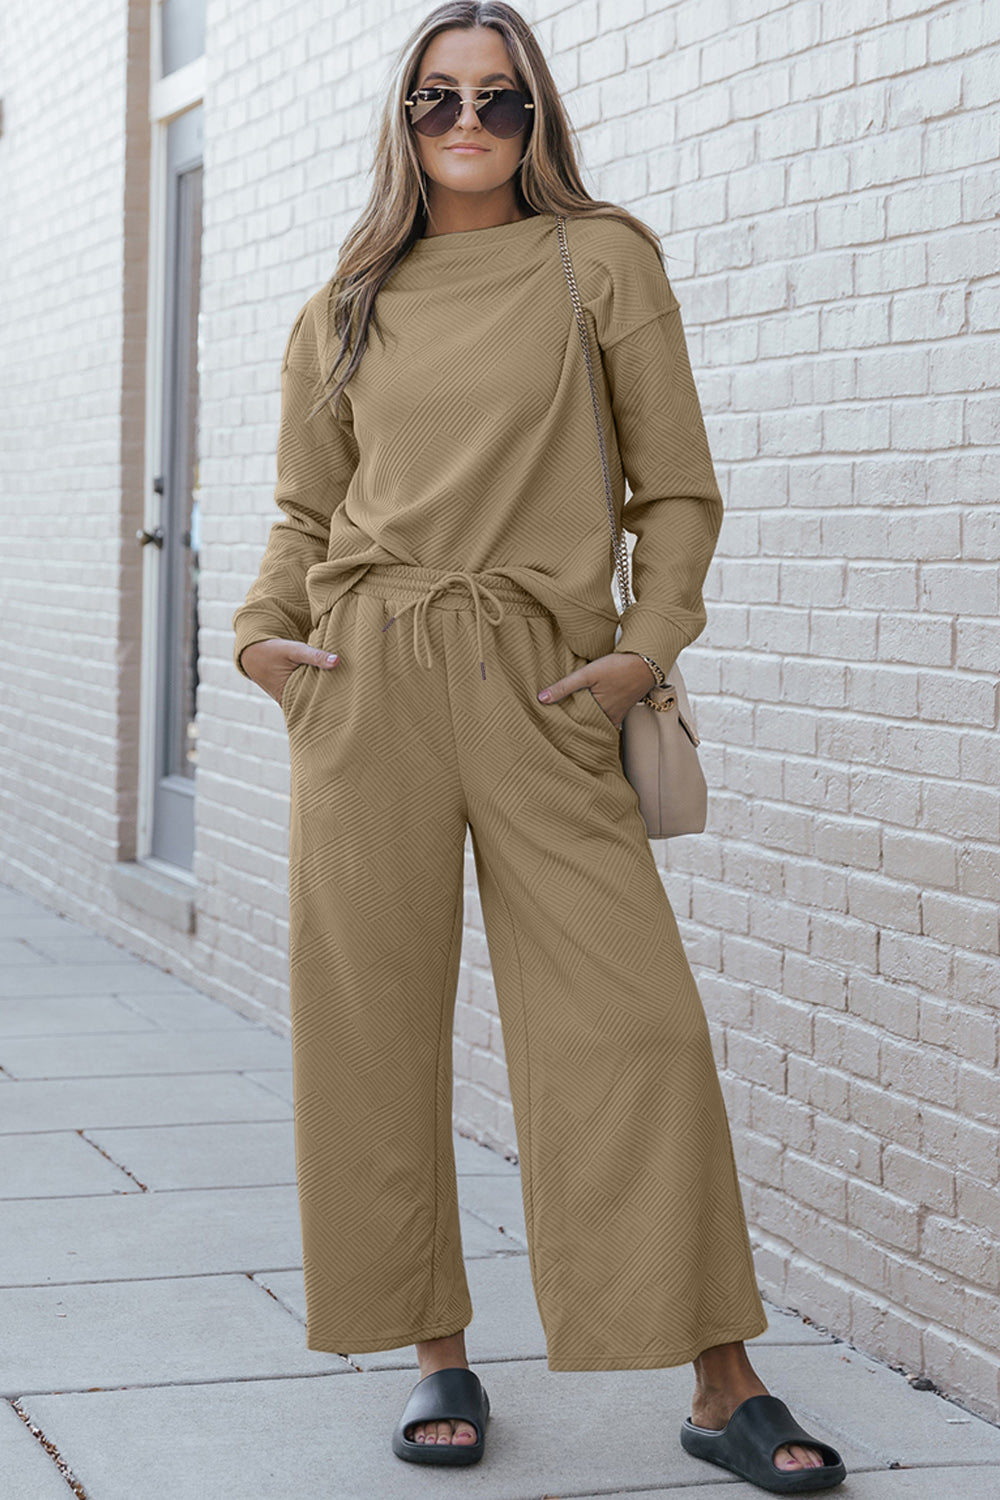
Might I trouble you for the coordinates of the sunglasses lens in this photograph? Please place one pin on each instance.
(505, 114)
(435, 117)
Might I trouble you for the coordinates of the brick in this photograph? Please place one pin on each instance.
(911, 1176)
(980, 539)
(722, 907)
(979, 758)
(921, 858)
(856, 1153)
(926, 749)
(884, 1216)
(780, 630)
(786, 1119)
(969, 1034)
(784, 728)
(967, 1146)
(975, 979)
(917, 639)
(754, 580)
(978, 1205)
(885, 795)
(757, 1061)
(920, 1072)
(783, 1021)
(963, 1367)
(974, 248)
(978, 870)
(777, 827)
(926, 535)
(869, 1263)
(843, 635)
(749, 676)
(881, 689)
(961, 811)
(859, 221)
(913, 958)
(822, 984)
(978, 1093)
(822, 1296)
(819, 583)
(938, 1296)
(809, 883)
(845, 841)
(959, 588)
(824, 1187)
(890, 51)
(959, 920)
(964, 1251)
(726, 1002)
(889, 1332)
(652, 38)
(867, 426)
(881, 586)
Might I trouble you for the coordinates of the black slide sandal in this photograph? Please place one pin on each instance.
(453, 1393)
(748, 1442)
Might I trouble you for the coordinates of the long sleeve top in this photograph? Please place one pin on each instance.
(466, 439)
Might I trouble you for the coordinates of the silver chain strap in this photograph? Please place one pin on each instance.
(618, 546)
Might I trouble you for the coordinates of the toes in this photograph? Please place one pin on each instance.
(795, 1456)
(444, 1431)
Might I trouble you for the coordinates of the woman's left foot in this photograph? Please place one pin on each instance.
(713, 1410)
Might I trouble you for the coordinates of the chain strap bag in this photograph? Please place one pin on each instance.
(658, 739)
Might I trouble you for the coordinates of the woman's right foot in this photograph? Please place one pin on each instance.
(447, 1353)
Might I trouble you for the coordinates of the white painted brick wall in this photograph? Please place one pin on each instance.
(62, 191)
(825, 180)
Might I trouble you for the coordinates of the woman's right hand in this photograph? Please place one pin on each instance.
(271, 663)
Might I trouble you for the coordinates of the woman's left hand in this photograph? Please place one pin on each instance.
(617, 681)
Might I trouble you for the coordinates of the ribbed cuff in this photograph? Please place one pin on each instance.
(649, 634)
(250, 632)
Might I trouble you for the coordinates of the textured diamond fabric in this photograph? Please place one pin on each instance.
(639, 1251)
(466, 439)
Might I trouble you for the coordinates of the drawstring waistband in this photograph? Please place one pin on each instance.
(489, 603)
(483, 599)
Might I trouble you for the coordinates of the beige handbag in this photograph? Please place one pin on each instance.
(659, 742)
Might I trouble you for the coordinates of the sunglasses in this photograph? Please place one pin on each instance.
(434, 111)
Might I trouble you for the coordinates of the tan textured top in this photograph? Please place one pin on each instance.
(467, 440)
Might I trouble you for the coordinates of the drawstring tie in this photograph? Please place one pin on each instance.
(483, 600)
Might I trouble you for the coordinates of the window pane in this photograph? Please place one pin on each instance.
(182, 32)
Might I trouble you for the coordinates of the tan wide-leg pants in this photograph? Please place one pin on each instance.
(639, 1251)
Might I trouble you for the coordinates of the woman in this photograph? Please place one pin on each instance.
(434, 616)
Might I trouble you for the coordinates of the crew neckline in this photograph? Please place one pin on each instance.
(459, 240)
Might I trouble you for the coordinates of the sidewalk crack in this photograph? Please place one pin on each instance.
(52, 1451)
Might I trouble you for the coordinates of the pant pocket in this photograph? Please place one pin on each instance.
(288, 691)
(587, 697)
(589, 709)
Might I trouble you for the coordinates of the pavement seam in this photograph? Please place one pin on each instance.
(52, 1451)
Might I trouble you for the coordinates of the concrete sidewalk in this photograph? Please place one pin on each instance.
(151, 1299)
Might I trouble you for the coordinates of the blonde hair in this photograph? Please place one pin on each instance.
(547, 179)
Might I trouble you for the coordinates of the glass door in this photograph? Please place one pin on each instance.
(176, 538)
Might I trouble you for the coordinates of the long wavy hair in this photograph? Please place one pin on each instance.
(547, 179)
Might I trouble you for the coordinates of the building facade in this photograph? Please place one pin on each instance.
(176, 178)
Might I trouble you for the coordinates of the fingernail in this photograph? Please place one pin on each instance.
(333, 658)
(545, 695)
